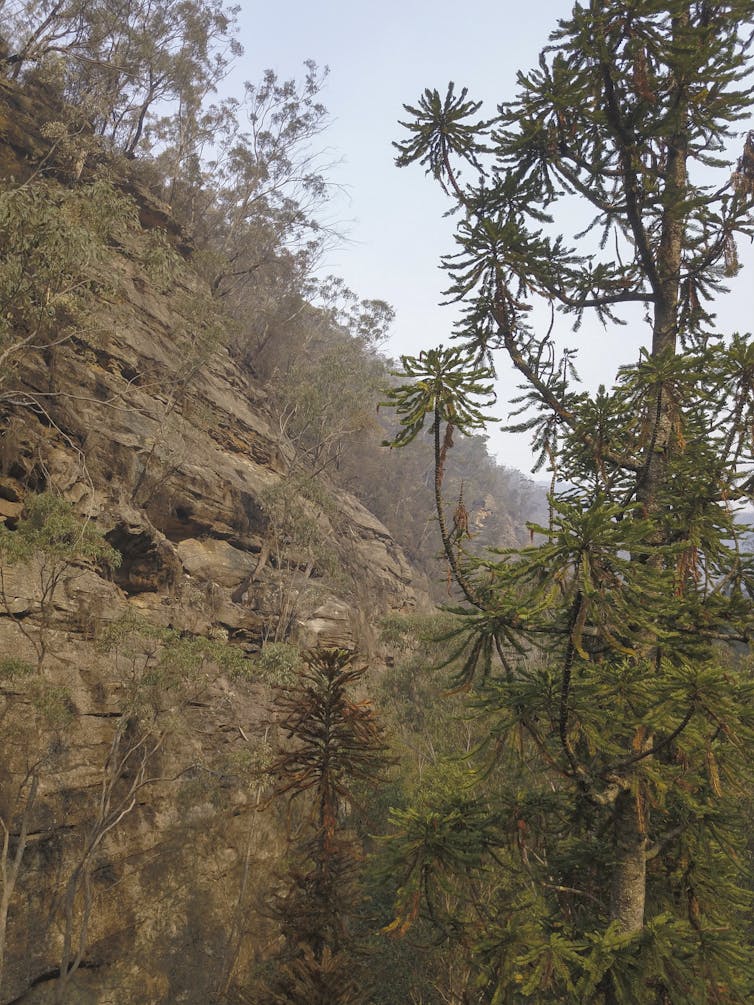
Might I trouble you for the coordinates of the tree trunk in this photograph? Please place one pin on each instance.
(628, 891)
(628, 888)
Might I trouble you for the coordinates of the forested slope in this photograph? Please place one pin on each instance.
(193, 491)
(292, 716)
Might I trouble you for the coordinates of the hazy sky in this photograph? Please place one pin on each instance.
(382, 55)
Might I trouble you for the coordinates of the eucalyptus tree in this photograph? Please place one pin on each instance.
(247, 178)
(123, 63)
(610, 653)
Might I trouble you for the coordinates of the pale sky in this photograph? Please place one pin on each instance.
(382, 55)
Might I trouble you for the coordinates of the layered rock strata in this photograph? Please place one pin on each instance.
(133, 758)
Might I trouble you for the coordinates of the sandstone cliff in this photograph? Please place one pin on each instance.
(133, 754)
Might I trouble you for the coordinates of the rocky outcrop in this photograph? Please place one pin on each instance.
(174, 466)
(133, 751)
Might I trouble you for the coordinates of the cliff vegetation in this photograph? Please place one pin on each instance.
(201, 534)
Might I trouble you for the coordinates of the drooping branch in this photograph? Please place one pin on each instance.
(500, 314)
(577, 614)
(660, 745)
(441, 450)
(627, 145)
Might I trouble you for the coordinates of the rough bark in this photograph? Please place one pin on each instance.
(628, 889)
(627, 894)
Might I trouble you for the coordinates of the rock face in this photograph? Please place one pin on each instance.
(134, 749)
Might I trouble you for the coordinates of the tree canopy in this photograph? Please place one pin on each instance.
(607, 659)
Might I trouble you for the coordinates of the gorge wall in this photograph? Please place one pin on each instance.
(134, 697)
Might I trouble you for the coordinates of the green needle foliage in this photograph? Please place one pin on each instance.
(455, 395)
(606, 662)
(443, 387)
(334, 742)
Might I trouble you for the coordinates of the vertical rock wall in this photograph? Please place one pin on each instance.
(132, 759)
